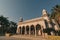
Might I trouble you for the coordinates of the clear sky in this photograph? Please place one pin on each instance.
(28, 9)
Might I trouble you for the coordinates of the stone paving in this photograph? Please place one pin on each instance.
(21, 37)
(31, 37)
(12, 38)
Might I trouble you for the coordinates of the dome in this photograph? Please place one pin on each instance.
(21, 19)
(44, 12)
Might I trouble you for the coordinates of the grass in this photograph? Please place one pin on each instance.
(53, 37)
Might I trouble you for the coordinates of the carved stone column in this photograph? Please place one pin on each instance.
(21, 30)
(35, 31)
(42, 32)
(18, 31)
(29, 30)
(39, 32)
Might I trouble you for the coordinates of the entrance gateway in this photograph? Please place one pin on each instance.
(39, 26)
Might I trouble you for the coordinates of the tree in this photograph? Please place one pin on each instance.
(56, 13)
(3, 24)
(12, 27)
(7, 26)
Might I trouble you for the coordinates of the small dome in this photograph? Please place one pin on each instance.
(44, 12)
(21, 19)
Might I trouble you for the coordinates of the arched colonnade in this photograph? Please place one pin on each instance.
(31, 30)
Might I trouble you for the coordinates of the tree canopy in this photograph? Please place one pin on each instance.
(55, 14)
(7, 26)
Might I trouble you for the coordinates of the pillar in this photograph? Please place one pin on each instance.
(29, 30)
(43, 34)
(18, 31)
(39, 32)
(42, 31)
(21, 30)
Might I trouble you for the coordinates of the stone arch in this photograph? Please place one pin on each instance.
(32, 29)
(27, 29)
(38, 29)
(38, 26)
(23, 29)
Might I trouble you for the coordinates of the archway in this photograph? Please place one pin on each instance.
(23, 30)
(27, 29)
(20, 29)
(32, 30)
(38, 29)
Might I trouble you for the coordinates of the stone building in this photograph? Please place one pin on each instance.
(38, 26)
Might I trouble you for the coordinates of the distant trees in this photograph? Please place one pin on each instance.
(12, 27)
(7, 26)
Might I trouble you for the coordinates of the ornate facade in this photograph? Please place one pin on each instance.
(39, 26)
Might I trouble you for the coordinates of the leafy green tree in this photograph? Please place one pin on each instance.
(4, 24)
(56, 13)
(7, 26)
(12, 28)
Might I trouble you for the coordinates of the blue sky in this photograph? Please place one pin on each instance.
(28, 9)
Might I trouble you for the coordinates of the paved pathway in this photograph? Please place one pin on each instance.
(21, 37)
(11, 38)
(27, 37)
